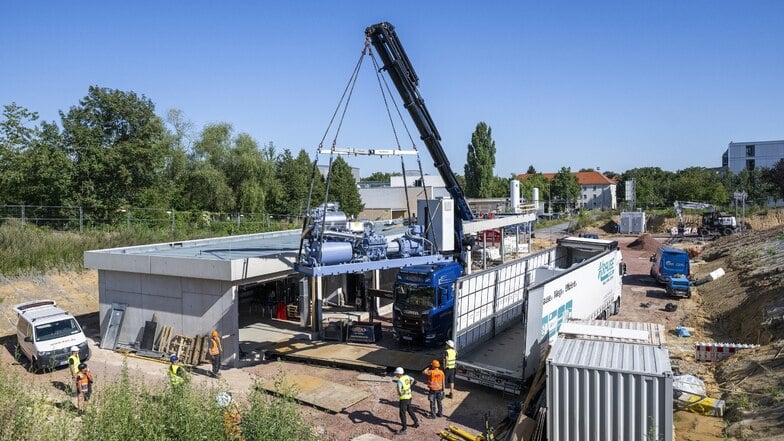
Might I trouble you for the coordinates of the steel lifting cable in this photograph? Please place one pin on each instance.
(411, 138)
(347, 92)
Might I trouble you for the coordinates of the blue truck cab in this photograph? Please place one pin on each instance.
(424, 303)
(670, 262)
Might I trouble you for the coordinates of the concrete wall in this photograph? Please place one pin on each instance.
(191, 306)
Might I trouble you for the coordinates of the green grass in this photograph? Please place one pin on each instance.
(26, 249)
(126, 408)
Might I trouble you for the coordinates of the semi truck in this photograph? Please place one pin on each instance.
(424, 294)
(507, 316)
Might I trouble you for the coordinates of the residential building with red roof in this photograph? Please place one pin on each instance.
(598, 192)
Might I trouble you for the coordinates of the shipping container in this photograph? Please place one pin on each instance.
(612, 330)
(602, 390)
(632, 222)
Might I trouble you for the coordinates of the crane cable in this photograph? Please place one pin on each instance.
(382, 79)
(346, 96)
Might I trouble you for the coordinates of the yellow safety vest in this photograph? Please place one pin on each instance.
(451, 358)
(175, 379)
(73, 363)
(404, 387)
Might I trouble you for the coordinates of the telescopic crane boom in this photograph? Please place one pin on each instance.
(396, 63)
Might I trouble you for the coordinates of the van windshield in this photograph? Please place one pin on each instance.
(53, 330)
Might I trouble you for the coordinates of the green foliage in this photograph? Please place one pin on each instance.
(652, 186)
(343, 188)
(480, 162)
(118, 145)
(294, 175)
(565, 188)
(699, 184)
(774, 177)
(275, 417)
(532, 181)
(379, 177)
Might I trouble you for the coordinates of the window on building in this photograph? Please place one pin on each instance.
(594, 188)
(749, 164)
(750, 150)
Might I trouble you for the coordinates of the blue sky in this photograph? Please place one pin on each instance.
(608, 84)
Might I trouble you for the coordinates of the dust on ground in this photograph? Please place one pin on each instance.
(377, 414)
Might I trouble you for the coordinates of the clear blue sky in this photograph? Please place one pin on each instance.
(609, 84)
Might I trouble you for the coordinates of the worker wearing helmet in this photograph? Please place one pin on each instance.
(74, 361)
(404, 384)
(216, 349)
(435, 386)
(84, 386)
(176, 372)
(450, 361)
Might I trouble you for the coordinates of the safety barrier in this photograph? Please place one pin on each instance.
(712, 352)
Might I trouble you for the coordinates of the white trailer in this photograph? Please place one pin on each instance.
(506, 316)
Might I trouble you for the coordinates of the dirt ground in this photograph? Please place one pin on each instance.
(377, 414)
(752, 384)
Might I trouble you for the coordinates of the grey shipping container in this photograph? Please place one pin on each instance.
(601, 390)
(615, 330)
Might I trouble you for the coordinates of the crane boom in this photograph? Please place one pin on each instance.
(396, 63)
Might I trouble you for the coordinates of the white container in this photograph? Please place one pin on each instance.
(633, 222)
(603, 390)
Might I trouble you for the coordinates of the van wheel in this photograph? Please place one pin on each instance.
(33, 367)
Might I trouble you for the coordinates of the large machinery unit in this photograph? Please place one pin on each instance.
(714, 223)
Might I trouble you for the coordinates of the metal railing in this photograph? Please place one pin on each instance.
(62, 217)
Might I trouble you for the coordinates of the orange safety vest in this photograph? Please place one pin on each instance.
(215, 346)
(435, 379)
(83, 381)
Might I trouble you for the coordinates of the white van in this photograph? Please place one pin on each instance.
(45, 334)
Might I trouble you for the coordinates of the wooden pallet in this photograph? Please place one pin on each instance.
(181, 346)
(163, 339)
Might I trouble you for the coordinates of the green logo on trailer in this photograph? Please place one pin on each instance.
(607, 270)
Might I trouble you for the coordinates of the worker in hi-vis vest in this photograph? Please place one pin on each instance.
(450, 361)
(404, 384)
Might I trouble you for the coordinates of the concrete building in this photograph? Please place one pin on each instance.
(231, 284)
(597, 192)
(388, 201)
(752, 155)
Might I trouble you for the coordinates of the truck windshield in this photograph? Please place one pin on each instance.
(61, 328)
(415, 296)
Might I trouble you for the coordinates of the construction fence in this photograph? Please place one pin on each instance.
(78, 218)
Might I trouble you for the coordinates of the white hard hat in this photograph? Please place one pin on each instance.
(74, 349)
(223, 399)
(450, 343)
(399, 371)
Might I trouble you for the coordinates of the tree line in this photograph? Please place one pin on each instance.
(112, 151)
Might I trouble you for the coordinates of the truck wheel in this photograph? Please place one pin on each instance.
(33, 367)
(703, 232)
(727, 232)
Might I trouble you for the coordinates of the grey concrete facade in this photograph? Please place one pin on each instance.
(191, 306)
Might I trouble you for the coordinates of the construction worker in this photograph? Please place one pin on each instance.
(435, 386)
(176, 372)
(404, 385)
(231, 416)
(216, 349)
(84, 386)
(450, 361)
(74, 362)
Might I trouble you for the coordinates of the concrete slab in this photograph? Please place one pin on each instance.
(316, 391)
(369, 437)
(353, 356)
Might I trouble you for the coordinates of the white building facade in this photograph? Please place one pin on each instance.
(752, 155)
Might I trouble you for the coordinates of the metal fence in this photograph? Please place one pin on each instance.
(77, 218)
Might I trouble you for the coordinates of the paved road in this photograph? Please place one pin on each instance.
(553, 231)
